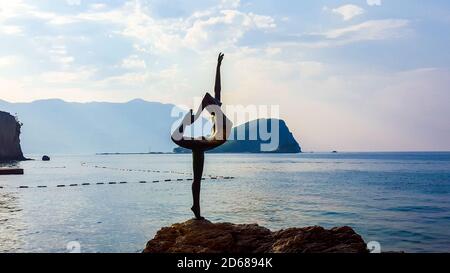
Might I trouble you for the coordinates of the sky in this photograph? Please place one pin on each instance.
(366, 75)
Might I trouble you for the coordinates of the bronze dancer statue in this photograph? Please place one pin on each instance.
(220, 132)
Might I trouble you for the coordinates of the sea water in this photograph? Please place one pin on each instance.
(400, 200)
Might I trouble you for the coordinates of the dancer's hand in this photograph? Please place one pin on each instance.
(219, 60)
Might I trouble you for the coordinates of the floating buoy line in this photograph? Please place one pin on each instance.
(86, 184)
(71, 185)
(84, 164)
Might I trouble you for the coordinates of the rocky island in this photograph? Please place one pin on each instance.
(10, 149)
(203, 236)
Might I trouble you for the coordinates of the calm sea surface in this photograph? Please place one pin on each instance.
(401, 200)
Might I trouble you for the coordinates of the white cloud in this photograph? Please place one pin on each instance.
(97, 6)
(67, 77)
(58, 54)
(348, 11)
(7, 61)
(374, 2)
(273, 51)
(73, 2)
(311, 69)
(225, 28)
(196, 31)
(18, 9)
(163, 85)
(369, 30)
(8, 10)
(61, 20)
(10, 29)
(230, 4)
(133, 62)
(221, 25)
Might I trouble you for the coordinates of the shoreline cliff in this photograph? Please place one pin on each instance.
(10, 149)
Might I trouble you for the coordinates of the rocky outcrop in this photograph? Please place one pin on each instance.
(202, 236)
(9, 138)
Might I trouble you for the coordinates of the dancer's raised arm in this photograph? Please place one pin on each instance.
(217, 86)
(208, 99)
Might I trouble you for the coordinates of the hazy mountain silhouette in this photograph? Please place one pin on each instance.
(56, 126)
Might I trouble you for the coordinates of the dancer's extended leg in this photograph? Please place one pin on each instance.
(198, 159)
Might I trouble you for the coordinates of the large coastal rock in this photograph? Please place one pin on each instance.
(9, 138)
(252, 137)
(202, 236)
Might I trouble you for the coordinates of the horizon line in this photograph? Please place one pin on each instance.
(303, 152)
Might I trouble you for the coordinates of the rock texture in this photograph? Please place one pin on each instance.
(9, 138)
(202, 236)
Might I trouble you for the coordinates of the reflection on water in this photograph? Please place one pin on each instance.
(10, 223)
(398, 199)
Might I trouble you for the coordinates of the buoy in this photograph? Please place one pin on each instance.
(45, 158)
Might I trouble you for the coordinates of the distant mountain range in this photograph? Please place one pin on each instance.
(55, 126)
